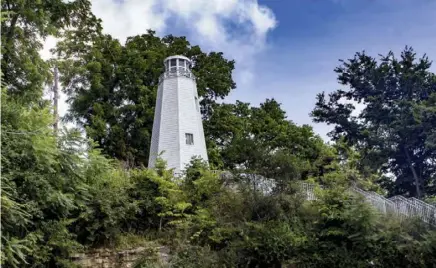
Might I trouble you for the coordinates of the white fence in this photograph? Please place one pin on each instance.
(399, 206)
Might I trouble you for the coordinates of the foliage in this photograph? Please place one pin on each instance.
(25, 26)
(106, 205)
(261, 140)
(395, 130)
(170, 198)
(40, 182)
(337, 230)
(193, 256)
(200, 183)
(60, 198)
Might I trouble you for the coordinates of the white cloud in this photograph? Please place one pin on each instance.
(208, 27)
(262, 19)
(207, 22)
(125, 18)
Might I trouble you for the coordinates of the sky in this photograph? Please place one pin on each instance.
(284, 49)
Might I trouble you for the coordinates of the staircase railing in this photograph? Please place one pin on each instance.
(398, 206)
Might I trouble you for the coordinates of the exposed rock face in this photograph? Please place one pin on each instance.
(106, 258)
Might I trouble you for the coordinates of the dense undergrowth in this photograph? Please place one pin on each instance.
(59, 198)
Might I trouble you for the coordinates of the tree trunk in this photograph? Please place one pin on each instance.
(415, 175)
(7, 45)
(11, 31)
(55, 101)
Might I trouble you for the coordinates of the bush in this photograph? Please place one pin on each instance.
(249, 229)
(189, 256)
(106, 205)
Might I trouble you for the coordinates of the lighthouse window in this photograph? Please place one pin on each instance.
(189, 138)
(173, 64)
(181, 66)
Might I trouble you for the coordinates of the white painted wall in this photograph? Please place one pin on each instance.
(165, 134)
(189, 122)
(177, 112)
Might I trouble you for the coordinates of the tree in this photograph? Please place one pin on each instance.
(41, 178)
(260, 140)
(395, 131)
(112, 87)
(24, 26)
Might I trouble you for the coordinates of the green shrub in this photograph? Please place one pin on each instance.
(189, 256)
(107, 205)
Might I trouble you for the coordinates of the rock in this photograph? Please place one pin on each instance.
(106, 258)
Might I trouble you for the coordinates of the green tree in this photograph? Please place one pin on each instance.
(40, 176)
(106, 206)
(112, 87)
(25, 24)
(394, 132)
(261, 140)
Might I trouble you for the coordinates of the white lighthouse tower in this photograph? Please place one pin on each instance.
(177, 128)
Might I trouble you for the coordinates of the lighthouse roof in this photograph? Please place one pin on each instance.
(177, 57)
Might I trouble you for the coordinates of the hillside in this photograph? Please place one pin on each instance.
(65, 194)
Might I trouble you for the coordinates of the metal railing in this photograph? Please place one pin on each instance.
(175, 73)
(399, 206)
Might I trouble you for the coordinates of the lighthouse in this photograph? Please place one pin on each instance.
(178, 133)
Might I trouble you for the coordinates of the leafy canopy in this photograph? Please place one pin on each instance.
(25, 25)
(395, 130)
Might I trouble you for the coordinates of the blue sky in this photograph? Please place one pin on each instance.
(284, 49)
(303, 49)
